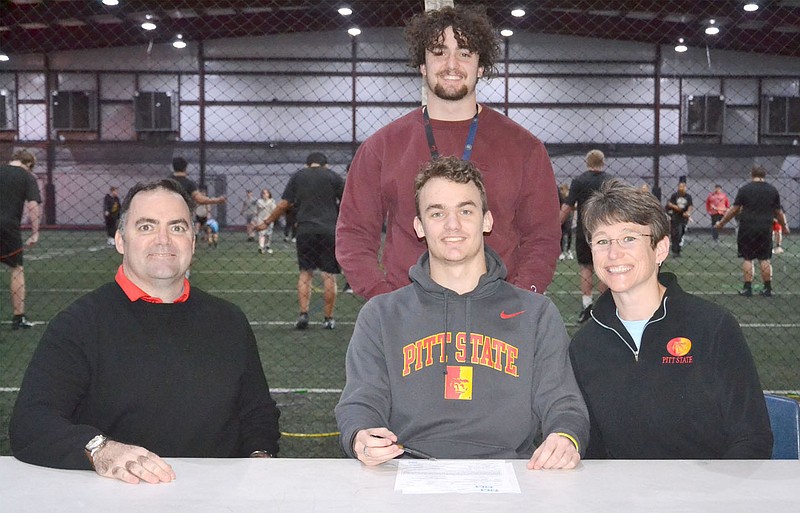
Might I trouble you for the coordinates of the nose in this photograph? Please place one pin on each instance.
(452, 222)
(614, 248)
(162, 235)
(452, 60)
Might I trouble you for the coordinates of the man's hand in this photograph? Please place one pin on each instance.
(375, 446)
(131, 464)
(555, 452)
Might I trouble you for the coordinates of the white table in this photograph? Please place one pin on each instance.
(304, 485)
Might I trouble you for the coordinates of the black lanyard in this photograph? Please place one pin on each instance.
(473, 129)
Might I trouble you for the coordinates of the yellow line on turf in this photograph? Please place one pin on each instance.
(309, 435)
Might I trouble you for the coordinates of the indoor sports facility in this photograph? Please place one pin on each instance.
(698, 91)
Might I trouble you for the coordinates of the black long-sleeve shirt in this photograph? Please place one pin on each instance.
(181, 380)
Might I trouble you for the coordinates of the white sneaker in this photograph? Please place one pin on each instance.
(269, 251)
(777, 251)
(110, 241)
(569, 255)
(561, 257)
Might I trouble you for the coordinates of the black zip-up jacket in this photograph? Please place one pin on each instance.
(690, 392)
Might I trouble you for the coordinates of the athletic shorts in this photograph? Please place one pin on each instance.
(317, 251)
(10, 246)
(754, 244)
(776, 226)
(583, 251)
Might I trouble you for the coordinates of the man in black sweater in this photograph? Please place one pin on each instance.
(145, 363)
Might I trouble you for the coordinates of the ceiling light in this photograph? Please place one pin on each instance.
(354, 31)
(148, 24)
(681, 47)
(518, 13)
(711, 29)
(506, 32)
(750, 7)
(3, 57)
(179, 43)
(345, 10)
(111, 3)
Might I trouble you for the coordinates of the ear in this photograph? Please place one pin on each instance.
(662, 249)
(423, 71)
(418, 228)
(488, 222)
(480, 71)
(118, 243)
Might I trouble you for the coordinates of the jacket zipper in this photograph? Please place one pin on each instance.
(634, 351)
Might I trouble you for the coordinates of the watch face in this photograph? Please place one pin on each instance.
(95, 442)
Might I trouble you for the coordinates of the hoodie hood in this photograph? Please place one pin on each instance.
(420, 275)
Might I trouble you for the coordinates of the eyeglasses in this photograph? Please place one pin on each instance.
(626, 242)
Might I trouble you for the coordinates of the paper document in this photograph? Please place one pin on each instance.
(456, 476)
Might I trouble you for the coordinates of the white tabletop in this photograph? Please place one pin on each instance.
(304, 485)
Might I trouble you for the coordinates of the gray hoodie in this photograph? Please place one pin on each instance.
(479, 375)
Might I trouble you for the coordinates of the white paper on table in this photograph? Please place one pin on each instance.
(456, 476)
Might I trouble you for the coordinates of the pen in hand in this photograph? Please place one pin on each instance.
(411, 452)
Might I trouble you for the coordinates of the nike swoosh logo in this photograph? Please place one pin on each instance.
(504, 315)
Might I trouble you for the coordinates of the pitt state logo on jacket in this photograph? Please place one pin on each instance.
(679, 348)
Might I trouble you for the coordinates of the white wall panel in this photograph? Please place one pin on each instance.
(189, 121)
(160, 83)
(781, 87)
(116, 122)
(581, 90)
(388, 89)
(239, 88)
(32, 123)
(741, 91)
(77, 82)
(117, 86)
(31, 86)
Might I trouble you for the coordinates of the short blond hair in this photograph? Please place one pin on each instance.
(595, 159)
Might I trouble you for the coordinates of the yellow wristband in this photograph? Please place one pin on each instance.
(571, 439)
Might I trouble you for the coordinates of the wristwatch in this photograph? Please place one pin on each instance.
(94, 445)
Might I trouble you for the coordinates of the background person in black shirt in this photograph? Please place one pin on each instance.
(314, 192)
(756, 204)
(580, 190)
(679, 208)
(18, 192)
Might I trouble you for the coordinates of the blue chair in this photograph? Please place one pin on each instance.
(784, 416)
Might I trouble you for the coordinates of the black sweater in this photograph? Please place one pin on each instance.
(652, 404)
(181, 380)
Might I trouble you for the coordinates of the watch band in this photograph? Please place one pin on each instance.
(94, 445)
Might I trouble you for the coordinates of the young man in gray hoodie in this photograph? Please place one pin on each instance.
(460, 364)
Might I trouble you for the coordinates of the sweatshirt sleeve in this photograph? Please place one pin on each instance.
(258, 411)
(557, 400)
(536, 221)
(366, 398)
(358, 228)
(743, 407)
(41, 430)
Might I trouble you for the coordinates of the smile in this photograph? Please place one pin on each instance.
(619, 269)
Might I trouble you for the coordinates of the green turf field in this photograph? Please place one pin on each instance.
(306, 369)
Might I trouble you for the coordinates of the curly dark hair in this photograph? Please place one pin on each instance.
(472, 28)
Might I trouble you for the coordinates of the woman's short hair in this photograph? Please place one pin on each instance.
(618, 202)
